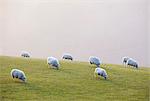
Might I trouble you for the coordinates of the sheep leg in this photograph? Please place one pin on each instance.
(48, 65)
(98, 78)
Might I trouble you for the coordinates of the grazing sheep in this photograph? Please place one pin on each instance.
(25, 54)
(94, 60)
(16, 73)
(132, 62)
(124, 60)
(67, 56)
(53, 62)
(100, 72)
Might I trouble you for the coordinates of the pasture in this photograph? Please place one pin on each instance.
(73, 82)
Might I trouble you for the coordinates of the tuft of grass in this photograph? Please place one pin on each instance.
(73, 82)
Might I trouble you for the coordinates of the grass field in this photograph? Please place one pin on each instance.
(73, 82)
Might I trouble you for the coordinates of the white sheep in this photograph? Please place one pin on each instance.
(53, 62)
(25, 54)
(16, 73)
(124, 60)
(67, 56)
(132, 62)
(100, 72)
(94, 60)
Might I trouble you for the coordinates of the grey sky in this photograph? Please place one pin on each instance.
(108, 29)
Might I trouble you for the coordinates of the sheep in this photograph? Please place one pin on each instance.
(100, 72)
(25, 54)
(16, 73)
(132, 62)
(53, 62)
(67, 56)
(94, 60)
(124, 60)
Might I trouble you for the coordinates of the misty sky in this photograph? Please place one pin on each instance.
(108, 29)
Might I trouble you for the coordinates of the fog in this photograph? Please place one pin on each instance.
(109, 29)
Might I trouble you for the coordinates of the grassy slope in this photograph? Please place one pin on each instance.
(73, 82)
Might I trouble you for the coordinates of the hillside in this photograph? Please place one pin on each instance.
(73, 82)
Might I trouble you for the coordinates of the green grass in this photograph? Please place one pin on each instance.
(73, 82)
